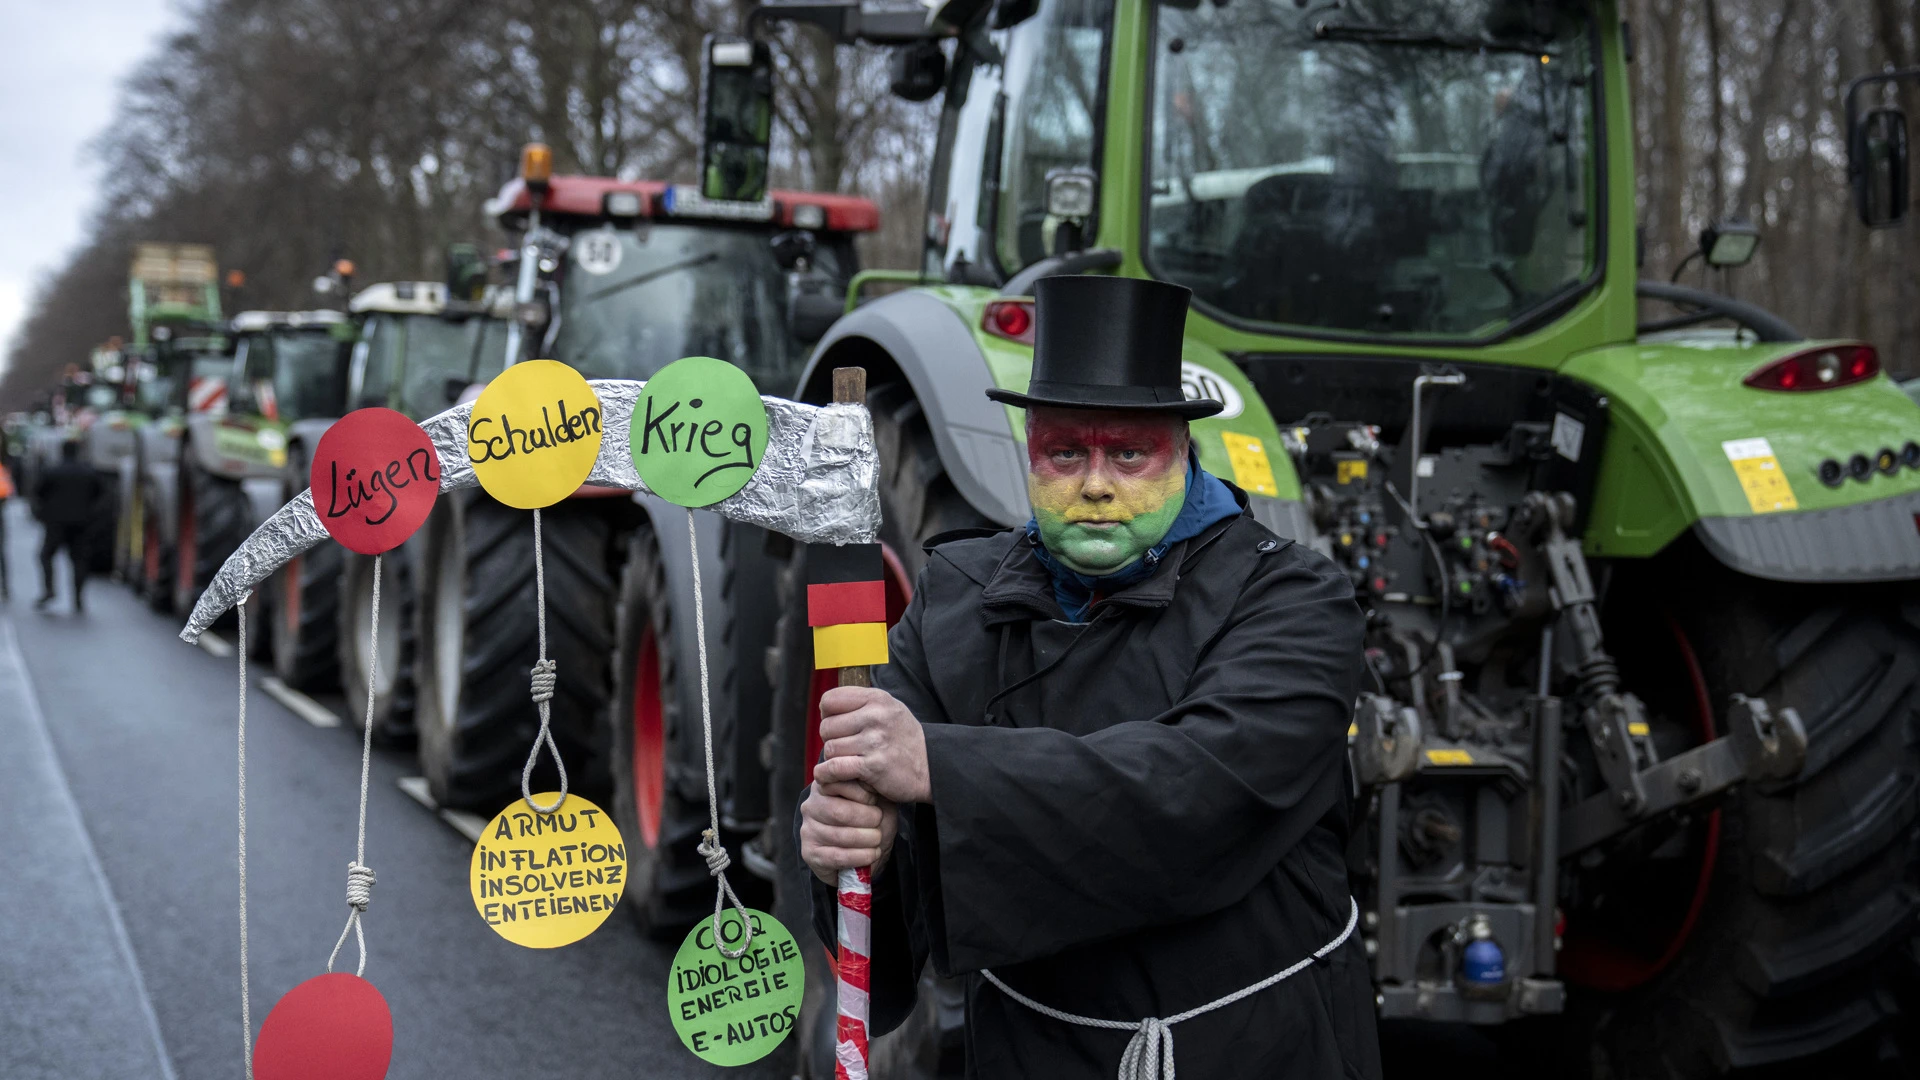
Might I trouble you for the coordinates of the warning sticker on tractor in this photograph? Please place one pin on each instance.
(546, 880)
(1251, 469)
(1760, 475)
(1444, 756)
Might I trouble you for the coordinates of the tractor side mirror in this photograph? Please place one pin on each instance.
(1727, 244)
(1878, 163)
(918, 71)
(736, 120)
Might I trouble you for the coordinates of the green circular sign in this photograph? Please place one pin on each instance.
(699, 431)
(735, 1010)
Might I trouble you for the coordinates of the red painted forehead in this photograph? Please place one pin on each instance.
(1107, 429)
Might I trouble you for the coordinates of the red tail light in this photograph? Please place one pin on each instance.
(1013, 320)
(1818, 369)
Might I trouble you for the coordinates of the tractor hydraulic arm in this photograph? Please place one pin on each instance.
(1759, 746)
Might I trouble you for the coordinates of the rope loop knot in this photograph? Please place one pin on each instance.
(1149, 1054)
(545, 676)
(714, 852)
(360, 881)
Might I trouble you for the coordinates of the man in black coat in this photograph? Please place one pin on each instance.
(70, 497)
(1103, 774)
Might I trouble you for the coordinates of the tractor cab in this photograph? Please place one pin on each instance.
(420, 346)
(285, 366)
(627, 276)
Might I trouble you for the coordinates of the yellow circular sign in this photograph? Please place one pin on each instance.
(547, 880)
(534, 434)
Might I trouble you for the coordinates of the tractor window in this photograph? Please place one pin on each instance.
(1383, 167)
(376, 359)
(635, 300)
(439, 352)
(956, 223)
(307, 375)
(1052, 118)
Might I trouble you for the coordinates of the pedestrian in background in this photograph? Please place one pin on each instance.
(6, 495)
(70, 496)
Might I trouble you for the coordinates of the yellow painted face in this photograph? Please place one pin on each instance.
(1105, 486)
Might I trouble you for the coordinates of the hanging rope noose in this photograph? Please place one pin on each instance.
(246, 997)
(710, 847)
(544, 678)
(360, 877)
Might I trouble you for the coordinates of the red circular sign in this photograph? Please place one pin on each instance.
(375, 475)
(331, 1027)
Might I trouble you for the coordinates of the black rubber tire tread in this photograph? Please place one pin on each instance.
(473, 759)
(222, 520)
(392, 711)
(305, 656)
(668, 887)
(1804, 959)
(918, 501)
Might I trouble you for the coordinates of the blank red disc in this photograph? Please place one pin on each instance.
(331, 1027)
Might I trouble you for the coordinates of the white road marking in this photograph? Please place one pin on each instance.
(63, 792)
(298, 703)
(468, 825)
(216, 646)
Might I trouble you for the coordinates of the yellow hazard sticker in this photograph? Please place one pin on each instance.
(1449, 757)
(1346, 472)
(1639, 729)
(1760, 475)
(1251, 469)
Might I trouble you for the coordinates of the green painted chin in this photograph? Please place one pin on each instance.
(1097, 551)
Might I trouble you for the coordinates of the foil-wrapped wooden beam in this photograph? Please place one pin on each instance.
(818, 483)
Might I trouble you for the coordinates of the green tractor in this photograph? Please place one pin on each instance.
(178, 363)
(1644, 639)
(421, 345)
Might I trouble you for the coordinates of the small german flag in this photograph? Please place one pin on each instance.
(846, 605)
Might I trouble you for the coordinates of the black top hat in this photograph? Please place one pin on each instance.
(1108, 343)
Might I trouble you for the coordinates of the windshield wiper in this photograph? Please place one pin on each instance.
(651, 275)
(1387, 35)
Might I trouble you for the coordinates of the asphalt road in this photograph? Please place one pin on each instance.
(117, 825)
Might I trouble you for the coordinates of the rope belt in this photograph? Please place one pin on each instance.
(1149, 1054)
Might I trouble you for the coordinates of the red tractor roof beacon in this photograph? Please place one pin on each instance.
(606, 197)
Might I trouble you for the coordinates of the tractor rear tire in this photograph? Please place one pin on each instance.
(655, 747)
(918, 501)
(478, 640)
(215, 519)
(1804, 959)
(393, 692)
(306, 609)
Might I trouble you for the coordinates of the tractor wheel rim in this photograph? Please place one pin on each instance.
(649, 740)
(188, 556)
(1606, 966)
(150, 554)
(290, 597)
(449, 629)
(382, 674)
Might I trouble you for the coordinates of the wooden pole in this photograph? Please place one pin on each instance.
(855, 887)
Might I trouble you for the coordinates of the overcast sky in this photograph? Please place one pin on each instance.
(61, 65)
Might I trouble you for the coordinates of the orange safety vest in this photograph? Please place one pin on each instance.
(6, 483)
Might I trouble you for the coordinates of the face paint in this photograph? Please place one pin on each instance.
(1105, 486)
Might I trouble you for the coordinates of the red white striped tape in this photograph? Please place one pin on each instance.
(205, 392)
(856, 944)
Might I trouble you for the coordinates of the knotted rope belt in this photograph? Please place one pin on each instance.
(1149, 1054)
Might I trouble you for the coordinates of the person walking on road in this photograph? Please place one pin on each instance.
(1103, 778)
(69, 496)
(6, 496)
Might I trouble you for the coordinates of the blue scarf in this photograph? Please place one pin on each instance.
(1208, 501)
